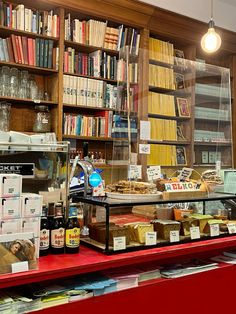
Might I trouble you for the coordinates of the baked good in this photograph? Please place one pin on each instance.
(203, 219)
(148, 211)
(137, 231)
(186, 224)
(132, 187)
(212, 222)
(97, 232)
(181, 214)
(163, 227)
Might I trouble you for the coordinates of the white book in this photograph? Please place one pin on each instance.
(137, 44)
(26, 18)
(13, 18)
(34, 28)
(49, 32)
(20, 17)
(84, 89)
(30, 18)
(78, 98)
(67, 89)
(54, 25)
(74, 92)
(66, 29)
(64, 89)
(89, 91)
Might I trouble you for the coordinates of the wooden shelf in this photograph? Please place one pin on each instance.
(175, 67)
(196, 143)
(88, 138)
(211, 98)
(87, 107)
(8, 31)
(88, 48)
(31, 69)
(153, 115)
(211, 165)
(177, 92)
(92, 77)
(169, 142)
(28, 101)
(212, 121)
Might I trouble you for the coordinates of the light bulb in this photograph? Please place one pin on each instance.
(211, 41)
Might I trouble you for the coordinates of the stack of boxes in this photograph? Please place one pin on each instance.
(19, 212)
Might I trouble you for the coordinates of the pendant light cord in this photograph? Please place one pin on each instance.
(211, 9)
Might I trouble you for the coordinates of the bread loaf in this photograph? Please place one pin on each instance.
(163, 227)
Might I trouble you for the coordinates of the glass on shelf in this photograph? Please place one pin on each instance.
(14, 81)
(4, 116)
(5, 80)
(42, 122)
(24, 84)
(33, 88)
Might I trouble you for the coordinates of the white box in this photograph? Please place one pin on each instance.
(31, 225)
(9, 226)
(31, 205)
(10, 208)
(10, 185)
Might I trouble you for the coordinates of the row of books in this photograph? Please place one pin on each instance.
(98, 125)
(161, 51)
(25, 19)
(122, 98)
(216, 90)
(164, 155)
(123, 76)
(82, 91)
(212, 113)
(36, 52)
(163, 130)
(209, 136)
(161, 77)
(161, 104)
(121, 127)
(99, 34)
(97, 63)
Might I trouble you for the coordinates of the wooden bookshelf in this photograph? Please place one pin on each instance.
(28, 101)
(88, 138)
(88, 49)
(87, 107)
(31, 69)
(91, 77)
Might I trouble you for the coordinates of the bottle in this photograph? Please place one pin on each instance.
(58, 231)
(72, 230)
(51, 214)
(44, 233)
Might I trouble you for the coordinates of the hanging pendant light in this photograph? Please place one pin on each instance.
(211, 41)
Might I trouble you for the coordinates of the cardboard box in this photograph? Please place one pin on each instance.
(31, 225)
(10, 208)
(10, 185)
(9, 226)
(31, 205)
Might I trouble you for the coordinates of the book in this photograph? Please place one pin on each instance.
(230, 253)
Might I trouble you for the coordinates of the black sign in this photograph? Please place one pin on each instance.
(25, 169)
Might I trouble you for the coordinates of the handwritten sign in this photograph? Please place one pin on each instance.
(194, 233)
(119, 243)
(185, 174)
(135, 172)
(144, 149)
(145, 130)
(153, 172)
(181, 186)
(214, 230)
(174, 236)
(151, 238)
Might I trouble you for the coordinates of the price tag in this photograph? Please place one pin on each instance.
(153, 172)
(214, 230)
(194, 233)
(145, 130)
(20, 266)
(174, 236)
(135, 172)
(231, 228)
(151, 238)
(144, 149)
(119, 243)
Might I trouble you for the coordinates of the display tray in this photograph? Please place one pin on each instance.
(143, 197)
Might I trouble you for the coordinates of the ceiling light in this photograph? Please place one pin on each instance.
(211, 41)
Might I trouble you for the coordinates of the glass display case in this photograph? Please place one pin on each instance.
(172, 179)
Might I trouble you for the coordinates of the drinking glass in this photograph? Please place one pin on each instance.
(4, 116)
(14, 74)
(5, 74)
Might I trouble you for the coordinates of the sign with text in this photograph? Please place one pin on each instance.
(144, 149)
(151, 238)
(231, 228)
(145, 130)
(180, 186)
(24, 169)
(194, 233)
(135, 172)
(119, 243)
(153, 172)
(185, 173)
(174, 236)
(214, 230)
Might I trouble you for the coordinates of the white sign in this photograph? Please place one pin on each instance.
(194, 233)
(174, 236)
(153, 172)
(180, 186)
(144, 149)
(145, 130)
(214, 230)
(119, 243)
(231, 228)
(20, 266)
(185, 173)
(135, 172)
(151, 238)
(218, 167)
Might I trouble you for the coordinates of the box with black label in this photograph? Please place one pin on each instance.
(9, 226)
(10, 208)
(10, 185)
(31, 204)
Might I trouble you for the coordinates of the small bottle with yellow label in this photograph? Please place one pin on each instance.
(72, 231)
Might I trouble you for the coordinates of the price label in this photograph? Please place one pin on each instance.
(194, 233)
(214, 230)
(231, 228)
(119, 243)
(151, 238)
(19, 267)
(135, 172)
(174, 236)
(153, 172)
(144, 149)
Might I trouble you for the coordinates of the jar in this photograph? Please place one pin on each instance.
(42, 122)
(5, 109)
